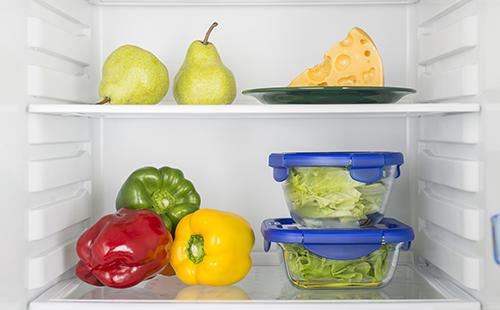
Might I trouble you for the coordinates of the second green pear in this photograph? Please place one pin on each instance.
(203, 78)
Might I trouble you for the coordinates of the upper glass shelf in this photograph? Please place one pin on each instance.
(250, 110)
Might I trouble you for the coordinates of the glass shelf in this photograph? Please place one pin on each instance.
(265, 287)
(251, 110)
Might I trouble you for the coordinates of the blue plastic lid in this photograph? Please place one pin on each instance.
(366, 167)
(340, 244)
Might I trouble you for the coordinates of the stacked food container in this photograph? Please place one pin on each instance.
(338, 236)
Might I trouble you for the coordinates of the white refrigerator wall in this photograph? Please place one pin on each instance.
(13, 156)
(76, 165)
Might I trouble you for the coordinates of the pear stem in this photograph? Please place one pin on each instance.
(209, 31)
(104, 100)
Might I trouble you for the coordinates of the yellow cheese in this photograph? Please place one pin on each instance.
(354, 61)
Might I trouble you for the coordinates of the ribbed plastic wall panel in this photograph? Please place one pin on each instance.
(51, 173)
(60, 186)
(432, 10)
(459, 219)
(60, 166)
(459, 174)
(458, 128)
(51, 264)
(448, 37)
(49, 219)
(59, 30)
(47, 83)
(462, 267)
(449, 84)
(53, 40)
(449, 213)
(55, 129)
(446, 42)
(75, 11)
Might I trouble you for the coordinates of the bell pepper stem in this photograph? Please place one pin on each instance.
(195, 249)
(162, 200)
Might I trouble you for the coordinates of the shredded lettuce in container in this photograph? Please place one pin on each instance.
(330, 192)
(307, 266)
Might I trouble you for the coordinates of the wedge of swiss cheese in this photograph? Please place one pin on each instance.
(354, 61)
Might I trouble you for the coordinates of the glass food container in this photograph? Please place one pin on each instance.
(338, 258)
(338, 189)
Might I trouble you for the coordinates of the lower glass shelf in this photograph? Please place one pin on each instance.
(265, 287)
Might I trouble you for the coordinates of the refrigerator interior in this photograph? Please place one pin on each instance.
(75, 157)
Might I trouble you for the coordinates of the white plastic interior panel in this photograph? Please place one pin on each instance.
(53, 40)
(52, 84)
(56, 218)
(448, 36)
(58, 37)
(432, 10)
(462, 220)
(59, 151)
(466, 268)
(50, 173)
(46, 220)
(459, 128)
(450, 215)
(490, 299)
(265, 287)
(53, 129)
(450, 84)
(60, 203)
(247, 2)
(459, 174)
(248, 110)
(51, 264)
(451, 40)
(76, 11)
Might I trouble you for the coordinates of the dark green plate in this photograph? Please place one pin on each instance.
(329, 95)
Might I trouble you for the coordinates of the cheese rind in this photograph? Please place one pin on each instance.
(354, 61)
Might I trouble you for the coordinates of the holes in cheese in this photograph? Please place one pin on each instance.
(319, 72)
(369, 76)
(342, 62)
(354, 61)
(347, 81)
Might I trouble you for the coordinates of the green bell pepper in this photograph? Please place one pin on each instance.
(164, 191)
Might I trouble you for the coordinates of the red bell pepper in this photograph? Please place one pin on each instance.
(123, 248)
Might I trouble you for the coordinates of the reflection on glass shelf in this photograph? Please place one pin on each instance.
(262, 283)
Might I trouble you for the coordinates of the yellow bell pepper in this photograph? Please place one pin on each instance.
(212, 248)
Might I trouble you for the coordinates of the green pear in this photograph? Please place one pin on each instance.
(203, 78)
(132, 75)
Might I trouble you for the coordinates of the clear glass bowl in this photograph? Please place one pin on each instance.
(308, 270)
(327, 197)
